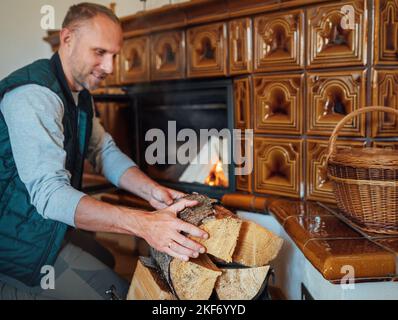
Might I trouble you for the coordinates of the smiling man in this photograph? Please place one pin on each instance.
(47, 128)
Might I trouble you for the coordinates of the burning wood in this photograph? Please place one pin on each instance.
(231, 240)
(208, 167)
(217, 177)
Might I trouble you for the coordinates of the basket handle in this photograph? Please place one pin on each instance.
(333, 137)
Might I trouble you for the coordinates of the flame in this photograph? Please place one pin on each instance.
(217, 177)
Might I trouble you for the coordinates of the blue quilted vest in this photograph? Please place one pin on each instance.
(27, 240)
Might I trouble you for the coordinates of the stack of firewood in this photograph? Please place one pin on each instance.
(234, 267)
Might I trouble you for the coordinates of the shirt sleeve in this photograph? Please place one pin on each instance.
(105, 156)
(33, 115)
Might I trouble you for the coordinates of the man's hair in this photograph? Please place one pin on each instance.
(86, 11)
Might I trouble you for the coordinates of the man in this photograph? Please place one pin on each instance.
(47, 128)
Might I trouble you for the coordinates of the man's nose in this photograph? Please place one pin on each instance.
(107, 65)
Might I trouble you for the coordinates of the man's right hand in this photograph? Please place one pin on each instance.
(162, 230)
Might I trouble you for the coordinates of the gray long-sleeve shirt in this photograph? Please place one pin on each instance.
(33, 115)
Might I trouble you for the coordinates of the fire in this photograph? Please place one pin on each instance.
(217, 177)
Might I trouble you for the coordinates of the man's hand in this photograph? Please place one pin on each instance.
(162, 197)
(138, 183)
(162, 231)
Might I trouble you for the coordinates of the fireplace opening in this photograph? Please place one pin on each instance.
(182, 134)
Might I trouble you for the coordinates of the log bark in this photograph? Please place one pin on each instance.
(147, 284)
(197, 214)
(241, 284)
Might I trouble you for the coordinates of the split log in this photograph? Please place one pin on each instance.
(147, 284)
(241, 284)
(256, 245)
(195, 279)
(223, 236)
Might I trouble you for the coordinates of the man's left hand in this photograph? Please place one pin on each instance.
(162, 197)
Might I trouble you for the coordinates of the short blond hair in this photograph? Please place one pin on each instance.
(86, 11)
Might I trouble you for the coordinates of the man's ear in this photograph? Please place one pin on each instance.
(66, 36)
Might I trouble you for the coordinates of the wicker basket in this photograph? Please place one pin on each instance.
(365, 181)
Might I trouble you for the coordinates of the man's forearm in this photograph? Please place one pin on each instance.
(98, 216)
(161, 230)
(138, 183)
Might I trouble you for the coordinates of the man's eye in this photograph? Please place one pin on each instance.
(100, 52)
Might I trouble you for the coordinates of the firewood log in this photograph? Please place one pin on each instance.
(223, 234)
(256, 245)
(147, 283)
(241, 284)
(195, 279)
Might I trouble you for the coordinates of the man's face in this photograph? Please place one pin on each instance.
(92, 50)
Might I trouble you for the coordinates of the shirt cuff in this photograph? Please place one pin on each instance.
(115, 169)
(63, 204)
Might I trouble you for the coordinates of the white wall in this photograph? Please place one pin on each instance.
(21, 35)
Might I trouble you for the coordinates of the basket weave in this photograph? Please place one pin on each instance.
(365, 181)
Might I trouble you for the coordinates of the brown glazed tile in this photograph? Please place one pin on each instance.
(278, 166)
(284, 209)
(367, 258)
(303, 228)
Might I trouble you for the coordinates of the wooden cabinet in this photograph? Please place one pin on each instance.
(331, 96)
(318, 185)
(279, 41)
(337, 34)
(134, 64)
(242, 103)
(207, 50)
(386, 32)
(240, 46)
(168, 55)
(385, 93)
(278, 104)
(278, 166)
